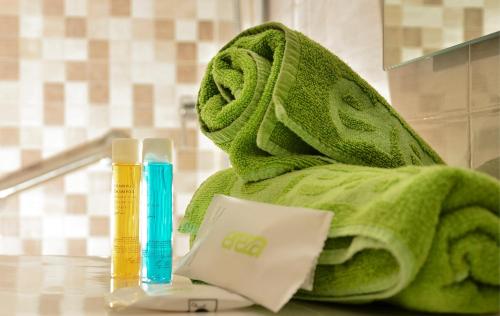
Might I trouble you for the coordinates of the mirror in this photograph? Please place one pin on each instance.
(418, 28)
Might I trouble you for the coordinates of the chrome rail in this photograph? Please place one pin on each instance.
(59, 164)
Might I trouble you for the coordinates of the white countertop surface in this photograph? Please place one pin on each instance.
(54, 285)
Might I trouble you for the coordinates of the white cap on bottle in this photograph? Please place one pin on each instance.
(157, 149)
(125, 150)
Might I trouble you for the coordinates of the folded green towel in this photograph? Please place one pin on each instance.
(425, 238)
(276, 101)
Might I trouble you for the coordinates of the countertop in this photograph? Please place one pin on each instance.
(57, 285)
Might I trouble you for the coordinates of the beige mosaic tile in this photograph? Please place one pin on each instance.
(53, 7)
(164, 29)
(432, 25)
(9, 136)
(30, 156)
(120, 7)
(72, 70)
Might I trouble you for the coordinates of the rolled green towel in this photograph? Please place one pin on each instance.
(277, 101)
(425, 238)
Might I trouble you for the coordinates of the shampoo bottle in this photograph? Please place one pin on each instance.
(156, 213)
(126, 173)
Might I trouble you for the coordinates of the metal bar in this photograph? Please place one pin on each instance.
(58, 165)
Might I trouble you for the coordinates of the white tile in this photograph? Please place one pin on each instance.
(206, 51)
(75, 94)
(452, 36)
(11, 159)
(53, 227)
(30, 7)
(76, 116)
(76, 183)
(226, 10)
(166, 116)
(98, 117)
(98, 246)
(76, 7)
(53, 49)
(463, 3)
(31, 226)
(142, 51)
(408, 53)
(31, 115)
(121, 95)
(31, 202)
(185, 30)
(31, 26)
(491, 13)
(142, 8)
(143, 72)
(9, 92)
(75, 49)
(10, 245)
(54, 71)
(75, 136)
(54, 246)
(120, 73)
(164, 95)
(412, 16)
(185, 90)
(120, 116)
(120, 29)
(30, 92)
(31, 137)
(98, 28)
(206, 9)
(54, 138)
(99, 204)
(164, 73)
(27, 304)
(54, 204)
(76, 226)
(120, 51)
(31, 70)
(10, 114)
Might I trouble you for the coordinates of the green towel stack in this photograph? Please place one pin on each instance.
(302, 129)
(426, 238)
(276, 101)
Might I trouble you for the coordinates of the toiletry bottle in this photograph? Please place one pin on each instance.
(156, 213)
(126, 173)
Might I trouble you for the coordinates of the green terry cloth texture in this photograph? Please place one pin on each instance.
(276, 101)
(425, 238)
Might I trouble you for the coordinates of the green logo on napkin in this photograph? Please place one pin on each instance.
(244, 243)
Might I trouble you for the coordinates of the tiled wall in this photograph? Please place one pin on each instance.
(414, 28)
(70, 70)
(452, 99)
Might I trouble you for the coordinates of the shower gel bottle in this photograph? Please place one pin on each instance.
(126, 179)
(156, 213)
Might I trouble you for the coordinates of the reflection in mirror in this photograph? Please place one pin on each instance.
(417, 28)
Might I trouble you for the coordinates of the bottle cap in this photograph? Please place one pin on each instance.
(125, 150)
(157, 149)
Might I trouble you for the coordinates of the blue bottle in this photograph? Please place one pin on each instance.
(156, 219)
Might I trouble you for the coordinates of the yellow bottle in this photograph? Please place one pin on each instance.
(126, 170)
